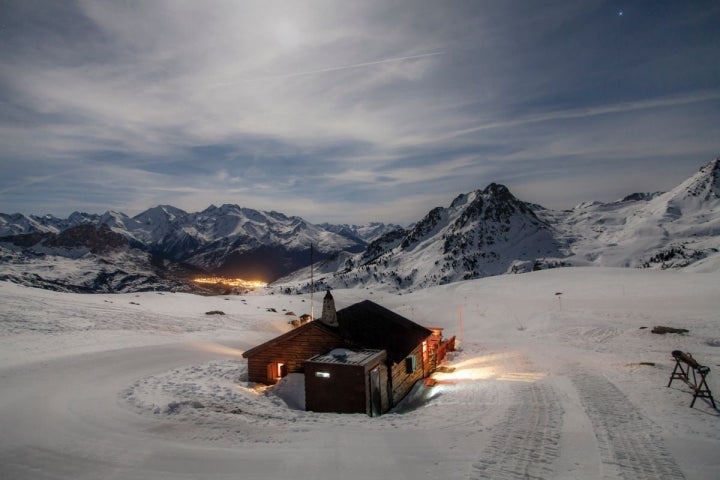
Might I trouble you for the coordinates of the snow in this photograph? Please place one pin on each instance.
(147, 385)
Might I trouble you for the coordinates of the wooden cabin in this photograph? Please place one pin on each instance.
(385, 355)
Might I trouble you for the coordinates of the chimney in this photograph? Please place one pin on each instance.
(329, 315)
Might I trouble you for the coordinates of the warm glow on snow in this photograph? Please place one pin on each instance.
(521, 376)
(465, 374)
(216, 348)
(498, 366)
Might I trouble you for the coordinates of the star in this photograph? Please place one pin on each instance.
(620, 13)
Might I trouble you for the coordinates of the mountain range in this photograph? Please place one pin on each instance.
(228, 240)
(490, 232)
(481, 233)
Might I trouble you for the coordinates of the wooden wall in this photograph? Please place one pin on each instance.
(347, 390)
(402, 381)
(292, 352)
(343, 392)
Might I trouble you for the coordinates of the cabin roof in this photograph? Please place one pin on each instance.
(288, 336)
(366, 325)
(373, 326)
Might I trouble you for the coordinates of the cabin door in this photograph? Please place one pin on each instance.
(276, 371)
(375, 393)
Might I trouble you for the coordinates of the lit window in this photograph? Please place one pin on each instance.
(322, 374)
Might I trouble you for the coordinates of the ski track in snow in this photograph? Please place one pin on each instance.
(631, 446)
(526, 442)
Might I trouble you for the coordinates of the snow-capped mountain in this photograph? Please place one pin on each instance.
(227, 240)
(86, 258)
(363, 233)
(490, 232)
(482, 233)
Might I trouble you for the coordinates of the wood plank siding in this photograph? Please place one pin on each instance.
(291, 350)
(402, 380)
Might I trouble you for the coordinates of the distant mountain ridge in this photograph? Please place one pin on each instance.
(227, 240)
(481, 233)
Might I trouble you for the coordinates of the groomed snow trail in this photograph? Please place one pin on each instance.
(526, 442)
(631, 446)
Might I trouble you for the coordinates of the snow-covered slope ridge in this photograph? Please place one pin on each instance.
(365, 233)
(674, 229)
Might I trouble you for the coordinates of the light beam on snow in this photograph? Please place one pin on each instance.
(521, 376)
(465, 374)
(212, 347)
(497, 366)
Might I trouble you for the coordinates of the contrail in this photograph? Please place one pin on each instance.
(589, 112)
(331, 69)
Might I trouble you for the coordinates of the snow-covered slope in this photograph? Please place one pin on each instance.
(365, 233)
(669, 230)
(86, 258)
(149, 386)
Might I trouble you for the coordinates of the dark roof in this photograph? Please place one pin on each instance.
(289, 335)
(370, 325)
(365, 325)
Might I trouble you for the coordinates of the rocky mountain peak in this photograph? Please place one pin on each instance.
(694, 193)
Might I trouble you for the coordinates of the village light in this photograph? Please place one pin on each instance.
(231, 282)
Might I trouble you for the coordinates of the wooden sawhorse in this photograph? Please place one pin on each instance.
(685, 368)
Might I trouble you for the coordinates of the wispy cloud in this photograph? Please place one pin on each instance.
(585, 112)
(329, 69)
(320, 106)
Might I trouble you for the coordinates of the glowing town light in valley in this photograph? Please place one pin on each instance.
(231, 282)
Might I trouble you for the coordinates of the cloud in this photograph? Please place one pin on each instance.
(328, 105)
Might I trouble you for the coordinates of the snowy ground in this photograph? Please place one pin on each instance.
(545, 386)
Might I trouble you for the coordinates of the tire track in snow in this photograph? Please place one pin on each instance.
(631, 446)
(526, 442)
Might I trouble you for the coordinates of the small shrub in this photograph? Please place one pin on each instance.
(215, 312)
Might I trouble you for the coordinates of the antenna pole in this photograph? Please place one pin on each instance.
(312, 283)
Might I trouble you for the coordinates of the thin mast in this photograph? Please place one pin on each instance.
(312, 283)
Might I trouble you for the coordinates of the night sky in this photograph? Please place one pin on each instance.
(348, 112)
